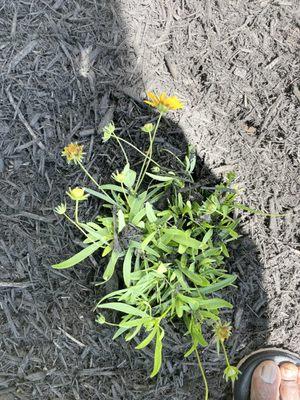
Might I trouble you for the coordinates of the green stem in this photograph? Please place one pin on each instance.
(225, 353)
(144, 170)
(203, 374)
(144, 163)
(138, 150)
(74, 223)
(76, 212)
(88, 174)
(122, 148)
(124, 192)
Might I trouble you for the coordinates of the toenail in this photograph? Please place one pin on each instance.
(269, 373)
(289, 372)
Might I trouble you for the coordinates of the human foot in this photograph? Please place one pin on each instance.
(273, 382)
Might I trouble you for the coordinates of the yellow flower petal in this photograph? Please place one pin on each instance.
(77, 194)
(162, 102)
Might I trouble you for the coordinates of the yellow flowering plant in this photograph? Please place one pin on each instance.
(170, 258)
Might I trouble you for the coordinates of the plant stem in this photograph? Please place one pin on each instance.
(138, 150)
(88, 174)
(144, 169)
(122, 148)
(74, 223)
(203, 374)
(91, 178)
(76, 212)
(124, 192)
(144, 163)
(225, 353)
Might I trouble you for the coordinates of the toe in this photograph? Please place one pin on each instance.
(265, 382)
(289, 389)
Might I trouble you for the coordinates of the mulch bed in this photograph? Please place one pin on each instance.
(69, 67)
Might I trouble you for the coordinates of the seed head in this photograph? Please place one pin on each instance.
(73, 153)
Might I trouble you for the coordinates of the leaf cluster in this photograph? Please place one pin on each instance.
(171, 253)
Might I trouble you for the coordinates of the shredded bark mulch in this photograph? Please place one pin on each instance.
(69, 67)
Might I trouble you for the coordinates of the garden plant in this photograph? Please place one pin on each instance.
(166, 237)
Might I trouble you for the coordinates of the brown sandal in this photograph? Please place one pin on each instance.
(241, 388)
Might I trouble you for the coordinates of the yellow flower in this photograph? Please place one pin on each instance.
(77, 194)
(73, 152)
(162, 102)
(119, 177)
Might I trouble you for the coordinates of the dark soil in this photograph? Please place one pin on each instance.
(69, 67)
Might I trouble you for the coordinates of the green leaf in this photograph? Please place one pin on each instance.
(224, 250)
(110, 269)
(147, 340)
(112, 187)
(209, 315)
(191, 350)
(138, 217)
(214, 287)
(156, 193)
(192, 158)
(183, 238)
(127, 266)
(136, 204)
(157, 353)
(130, 176)
(179, 308)
(161, 178)
(95, 234)
(207, 236)
(147, 240)
(107, 250)
(132, 323)
(101, 196)
(124, 308)
(120, 332)
(150, 213)
(191, 301)
(197, 335)
(77, 258)
(121, 221)
(133, 333)
(197, 279)
(233, 234)
(215, 303)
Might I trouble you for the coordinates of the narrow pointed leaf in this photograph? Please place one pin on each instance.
(150, 213)
(77, 258)
(147, 340)
(127, 266)
(110, 269)
(124, 308)
(218, 285)
(157, 353)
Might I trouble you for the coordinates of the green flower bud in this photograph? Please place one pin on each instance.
(148, 128)
(61, 209)
(101, 319)
(231, 372)
(108, 130)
